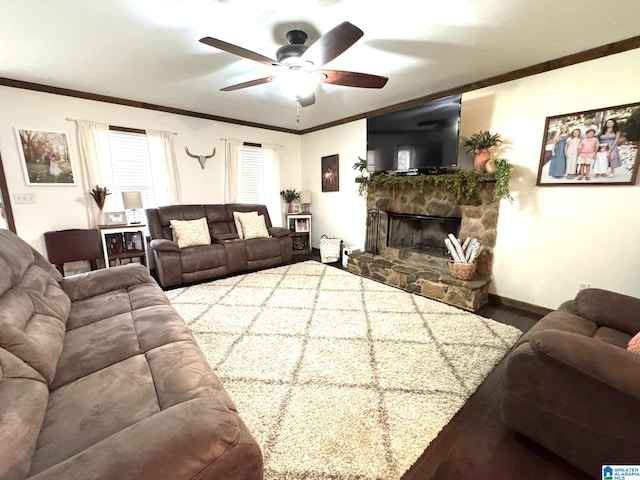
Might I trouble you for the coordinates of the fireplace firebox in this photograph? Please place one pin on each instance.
(420, 233)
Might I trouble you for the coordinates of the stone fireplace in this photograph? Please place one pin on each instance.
(401, 252)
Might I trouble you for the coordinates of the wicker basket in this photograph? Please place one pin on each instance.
(462, 271)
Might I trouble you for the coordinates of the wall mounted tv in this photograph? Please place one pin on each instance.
(418, 139)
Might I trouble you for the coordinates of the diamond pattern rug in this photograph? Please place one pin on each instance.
(338, 376)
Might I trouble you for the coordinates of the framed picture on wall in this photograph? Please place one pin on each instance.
(45, 157)
(593, 147)
(330, 173)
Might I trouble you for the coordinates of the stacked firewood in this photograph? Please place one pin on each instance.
(465, 252)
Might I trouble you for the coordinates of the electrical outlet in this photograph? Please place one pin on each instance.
(583, 285)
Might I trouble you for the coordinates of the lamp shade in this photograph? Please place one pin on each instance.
(132, 200)
(305, 197)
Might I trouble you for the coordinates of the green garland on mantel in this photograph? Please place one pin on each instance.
(461, 184)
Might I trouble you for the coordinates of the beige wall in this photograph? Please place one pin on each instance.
(61, 207)
(551, 238)
(343, 213)
(548, 238)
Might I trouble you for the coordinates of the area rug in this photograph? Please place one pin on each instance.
(338, 376)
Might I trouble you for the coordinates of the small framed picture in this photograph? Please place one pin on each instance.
(114, 243)
(330, 173)
(301, 225)
(115, 218)
(133, 241)
(295, 207)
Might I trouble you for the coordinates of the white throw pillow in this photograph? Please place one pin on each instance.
(236, 218)
(254, 227)
(189, 233)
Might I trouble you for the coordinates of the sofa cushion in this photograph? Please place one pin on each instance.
(114, 399)
(253, 227)
(263, 248)
(93, 408)
(189, 233)
(114, 326)
(237, 216)
(205, 257)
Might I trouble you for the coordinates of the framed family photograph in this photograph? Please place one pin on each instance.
(593, 147)
(330, 173)
(45, 157)
(301, 225)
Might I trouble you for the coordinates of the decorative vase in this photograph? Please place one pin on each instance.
(490, 167)
(101, 218)
(480, 159)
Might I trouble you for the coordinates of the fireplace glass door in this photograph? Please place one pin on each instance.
(420, 233)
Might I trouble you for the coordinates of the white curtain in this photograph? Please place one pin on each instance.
(271, 158)
(232, 159)
(166, 181)
(95, 154)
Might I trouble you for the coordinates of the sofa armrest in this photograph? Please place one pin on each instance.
(602, 362)
(97, 282)
(164, 245)
(609, 309)
(279, 232)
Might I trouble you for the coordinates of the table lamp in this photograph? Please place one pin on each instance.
(133, 201)
(305, 200)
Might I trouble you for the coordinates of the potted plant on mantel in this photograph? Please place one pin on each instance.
(479, 144)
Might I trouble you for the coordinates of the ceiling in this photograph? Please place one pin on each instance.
(148, 50)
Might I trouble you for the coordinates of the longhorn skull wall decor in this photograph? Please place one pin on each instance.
(202, 159)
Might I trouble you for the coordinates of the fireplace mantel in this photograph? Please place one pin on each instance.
(425, 274)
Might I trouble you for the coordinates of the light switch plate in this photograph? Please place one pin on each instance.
(28, 197)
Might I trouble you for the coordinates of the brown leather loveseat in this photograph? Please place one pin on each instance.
(573, 385)
(226, 252)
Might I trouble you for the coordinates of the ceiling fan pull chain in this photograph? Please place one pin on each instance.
(297, 111)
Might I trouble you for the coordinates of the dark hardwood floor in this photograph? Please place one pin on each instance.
(476, 444)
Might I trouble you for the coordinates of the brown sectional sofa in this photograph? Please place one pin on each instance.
(571, 385)
(100, 378)
(226, 254)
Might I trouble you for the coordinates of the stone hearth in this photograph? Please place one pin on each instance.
(426, 274)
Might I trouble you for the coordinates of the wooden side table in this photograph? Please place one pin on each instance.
(300, 226)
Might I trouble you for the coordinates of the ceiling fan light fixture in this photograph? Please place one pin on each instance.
(297, 82)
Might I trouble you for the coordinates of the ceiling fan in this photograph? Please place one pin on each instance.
(301, 65)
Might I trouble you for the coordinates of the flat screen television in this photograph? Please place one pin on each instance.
(418, 139)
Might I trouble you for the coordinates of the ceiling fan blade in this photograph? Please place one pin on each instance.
(236, 50)
(333, 43)
(250, 83)
(354, 79)
(307, 101)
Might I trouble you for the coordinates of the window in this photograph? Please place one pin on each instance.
(251, 176)
(131, 166)
(406, 156)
